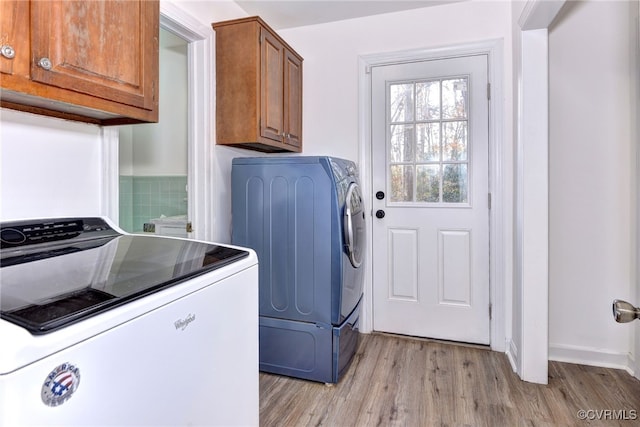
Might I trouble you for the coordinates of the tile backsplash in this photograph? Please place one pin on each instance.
(143, 198)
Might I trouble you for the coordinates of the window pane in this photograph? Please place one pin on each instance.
(401, 148)
(454, 184)
(401, 102)
(428, 100)
(428, 142)
(454, 98)
(454, 141)
(401, 183)
(428, 183)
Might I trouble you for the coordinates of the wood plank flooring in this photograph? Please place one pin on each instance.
(398, 381)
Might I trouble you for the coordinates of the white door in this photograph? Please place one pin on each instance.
(431, 199)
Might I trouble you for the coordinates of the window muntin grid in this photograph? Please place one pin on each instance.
(428, 149)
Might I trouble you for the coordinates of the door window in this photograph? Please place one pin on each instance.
(428, 143)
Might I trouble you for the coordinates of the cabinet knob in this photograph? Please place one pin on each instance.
(7, 51)
(45, 63)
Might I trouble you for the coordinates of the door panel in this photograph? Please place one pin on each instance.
(271, 125)
(403, 251)
(293, 99)
(454, 255)
(430, 158)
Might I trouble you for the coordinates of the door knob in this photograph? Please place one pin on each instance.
(625, 312)
(380, 213)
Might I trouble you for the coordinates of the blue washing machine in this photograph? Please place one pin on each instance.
(304, 216)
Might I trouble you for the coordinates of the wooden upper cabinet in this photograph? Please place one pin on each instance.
(293, 99)
(14, 37)
(258, 88)
(93, 61)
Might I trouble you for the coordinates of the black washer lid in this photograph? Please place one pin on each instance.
(51, 282)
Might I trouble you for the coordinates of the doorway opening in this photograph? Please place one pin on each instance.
(499, 230)
(153, 158)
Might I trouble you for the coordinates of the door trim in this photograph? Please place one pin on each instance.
(529, 345)
(499, 229)
(200, 175)
(200, 181)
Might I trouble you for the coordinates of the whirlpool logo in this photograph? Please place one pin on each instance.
(181, 324)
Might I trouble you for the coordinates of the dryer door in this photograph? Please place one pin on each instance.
(354, 225)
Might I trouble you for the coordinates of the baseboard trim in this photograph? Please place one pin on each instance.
(592, 357)
(512, 354)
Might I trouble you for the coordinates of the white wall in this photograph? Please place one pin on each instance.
(592, 173)
(514, 292)
(330, 51)
(49, 167)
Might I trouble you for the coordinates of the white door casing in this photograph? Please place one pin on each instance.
(430, 159)
(528, 350)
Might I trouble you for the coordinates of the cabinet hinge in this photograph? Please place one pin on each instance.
(189, 227)
(490, 313)
(489, 91)
(489, 200)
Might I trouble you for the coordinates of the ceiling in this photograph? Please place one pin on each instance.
(297, 13)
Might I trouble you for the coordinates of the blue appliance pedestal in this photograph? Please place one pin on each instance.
(306, 350)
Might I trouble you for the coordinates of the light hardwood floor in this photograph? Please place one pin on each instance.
(397, 381)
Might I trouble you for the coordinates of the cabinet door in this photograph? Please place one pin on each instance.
(271, 74)
(292, 100)
(99, 48)
(14, 35)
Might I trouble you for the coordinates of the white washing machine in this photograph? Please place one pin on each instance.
(99, 327)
